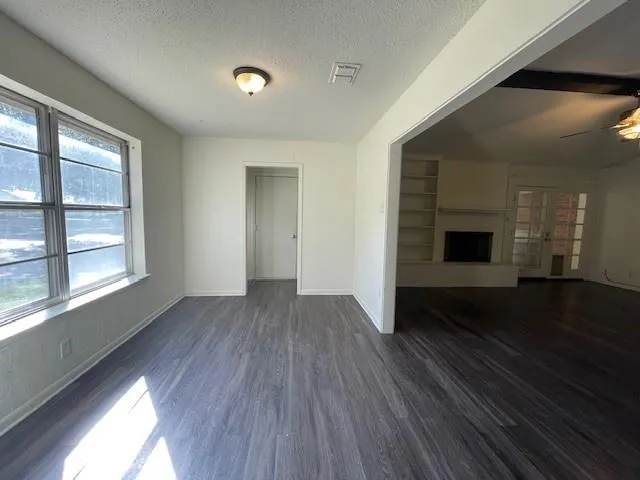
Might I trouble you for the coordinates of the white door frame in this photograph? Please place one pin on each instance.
(245, 168)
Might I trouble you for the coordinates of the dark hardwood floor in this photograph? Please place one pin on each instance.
(536, 382)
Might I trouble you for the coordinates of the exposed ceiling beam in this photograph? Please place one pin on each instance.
(573, 82)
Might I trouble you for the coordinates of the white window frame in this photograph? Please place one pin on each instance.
(54, 208)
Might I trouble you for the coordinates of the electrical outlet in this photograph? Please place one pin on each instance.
(65, 348)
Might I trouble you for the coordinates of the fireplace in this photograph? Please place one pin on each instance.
(468, 246)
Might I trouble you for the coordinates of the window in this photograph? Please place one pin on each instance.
(64, 207)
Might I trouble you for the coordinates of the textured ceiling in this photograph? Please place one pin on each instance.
(525, 126)
(175, 57)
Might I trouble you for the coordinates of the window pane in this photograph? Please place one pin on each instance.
(566, 201)
(560, 247)
(582, 201)
(577, 247)
(575, 263)
(566, 216)
(23, 283)
(19, 176)
(578, 232)
(85, 185)
(83, 147)
(524, 198)
(522, 230)
(93, 229)
(564, 231)
(580, 218)
(18, 125)
(21, 235)
(520, 247)
(86, 268)
(535, 230)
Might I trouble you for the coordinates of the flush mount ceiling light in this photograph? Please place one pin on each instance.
(251, 79)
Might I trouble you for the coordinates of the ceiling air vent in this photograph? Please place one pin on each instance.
(342, 72)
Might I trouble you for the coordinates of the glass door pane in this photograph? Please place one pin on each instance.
(569, 217)
(531, 211)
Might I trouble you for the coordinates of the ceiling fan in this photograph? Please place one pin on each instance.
(628, 125)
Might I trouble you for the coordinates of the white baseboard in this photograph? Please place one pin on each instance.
(216, 293)
(367, 310)
(26, 409)
(623, 286)
(319, 291)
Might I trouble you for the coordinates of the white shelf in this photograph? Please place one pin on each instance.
(423, 171)
(473, 211)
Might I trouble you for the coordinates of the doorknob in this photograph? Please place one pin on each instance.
(547, 236)
(293, 236)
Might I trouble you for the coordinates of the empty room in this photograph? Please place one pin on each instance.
(319, 240)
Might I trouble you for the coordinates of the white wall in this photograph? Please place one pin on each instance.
(619, 252)
(30, 368)
(213, 226)
(504, 35)
(476, 185)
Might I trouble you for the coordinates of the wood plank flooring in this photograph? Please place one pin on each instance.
(538, 382)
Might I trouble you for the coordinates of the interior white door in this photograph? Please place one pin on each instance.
(276, 227)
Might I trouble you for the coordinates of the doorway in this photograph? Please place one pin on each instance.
(272, 226)
(548, 232)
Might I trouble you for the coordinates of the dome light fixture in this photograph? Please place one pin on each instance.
(251, 79)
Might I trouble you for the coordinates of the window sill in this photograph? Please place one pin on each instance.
(11, 331)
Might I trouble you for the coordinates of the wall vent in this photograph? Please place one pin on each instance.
(342, 72)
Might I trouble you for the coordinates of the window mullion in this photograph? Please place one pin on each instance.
(58, 211)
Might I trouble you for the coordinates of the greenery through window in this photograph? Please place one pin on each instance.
(64, 207)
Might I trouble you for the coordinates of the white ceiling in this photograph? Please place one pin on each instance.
(175, 57)
(524, 126)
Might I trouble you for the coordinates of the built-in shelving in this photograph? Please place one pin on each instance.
(473, 211)
(418, 209)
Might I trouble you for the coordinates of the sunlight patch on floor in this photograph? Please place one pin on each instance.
(112, 445)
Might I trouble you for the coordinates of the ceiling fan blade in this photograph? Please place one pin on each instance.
(584, 132)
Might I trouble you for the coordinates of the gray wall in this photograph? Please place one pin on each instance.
(30, 368)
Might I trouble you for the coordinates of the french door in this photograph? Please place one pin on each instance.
(548, 232)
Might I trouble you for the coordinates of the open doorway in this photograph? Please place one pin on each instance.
(272, 226)
(530, 180)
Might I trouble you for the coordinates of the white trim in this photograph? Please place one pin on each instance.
(33, 404)
(623, 286)
(217, 293)
(391, 223)
(368, 312)
(322, 291)
(12, 331)
(299, 244)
